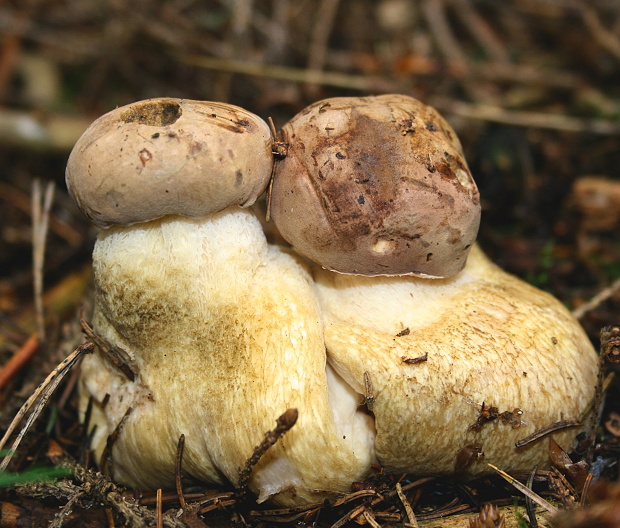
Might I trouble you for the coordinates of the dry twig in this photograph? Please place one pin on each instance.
(284, 423)
(177, 471)
(526, 491)
(119, 358)
(40, 397)
(321, 31)
(605, 38)
(436, 17)
(40, 221)
(158, 509)
(105, 463)
(19, 360)
(370, 518)
(408, 509)
(529, 504)
(596, 301)
(481, 30)
(284, 73)
(541, 433)
(497, 114)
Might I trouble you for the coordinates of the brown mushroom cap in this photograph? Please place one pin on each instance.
(376, 186)
(169, 156)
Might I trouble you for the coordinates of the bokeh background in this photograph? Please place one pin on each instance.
(532, 88)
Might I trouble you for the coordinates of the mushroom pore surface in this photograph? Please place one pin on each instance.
(376, 186)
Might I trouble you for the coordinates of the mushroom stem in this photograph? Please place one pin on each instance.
(225, 333)
(503, 360)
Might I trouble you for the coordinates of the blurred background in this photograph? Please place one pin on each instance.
(532, 88)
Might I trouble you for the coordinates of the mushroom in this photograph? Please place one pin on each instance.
(376, 186)
(457, 367)
(220, 331)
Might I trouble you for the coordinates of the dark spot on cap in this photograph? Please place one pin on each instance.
(155, 136)
(238, 126)
(238, 178)
(153, 113)
(340, 156)
(361, 200)
(406, 126)
(145, 156)
(244, 123)
(195, 148)
(431, 127)
(429, 256)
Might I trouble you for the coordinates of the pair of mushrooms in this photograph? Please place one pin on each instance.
(393, 345)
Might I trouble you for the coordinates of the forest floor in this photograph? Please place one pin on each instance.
(532, 88)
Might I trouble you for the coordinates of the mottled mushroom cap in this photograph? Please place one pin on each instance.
(169, 156)
(376, 186)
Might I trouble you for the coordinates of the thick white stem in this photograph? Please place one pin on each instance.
(226, 334)
(486, 337)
